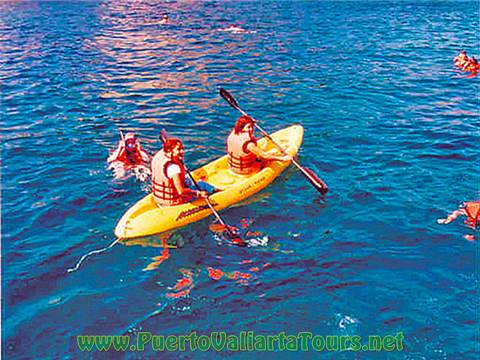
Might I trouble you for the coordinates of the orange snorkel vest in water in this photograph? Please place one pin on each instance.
(130, 154)
(130, 157)
(473, 212)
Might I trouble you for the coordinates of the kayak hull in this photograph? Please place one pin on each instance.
(147, 218)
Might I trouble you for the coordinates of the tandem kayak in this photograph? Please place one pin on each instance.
(147, 218)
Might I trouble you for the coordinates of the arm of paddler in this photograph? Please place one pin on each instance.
(266, 155)
(185, 191)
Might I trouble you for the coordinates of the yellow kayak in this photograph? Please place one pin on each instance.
(147, 218)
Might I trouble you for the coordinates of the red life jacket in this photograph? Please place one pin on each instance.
(163, 188)
(240, 159)
(473, 212)
(460, 60)
(130, 157)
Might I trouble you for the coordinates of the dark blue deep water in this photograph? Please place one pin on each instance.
(390, 125)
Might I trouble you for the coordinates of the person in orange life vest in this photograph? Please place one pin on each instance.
(169, 183)
(244, 157)
(235, 28)
(164, 19)
(129, 154)
(472, 65)
(461, 59)
(471, 209)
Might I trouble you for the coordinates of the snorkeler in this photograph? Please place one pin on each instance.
(470, 209)
(472, 65)
(164, 19)
(129, 155)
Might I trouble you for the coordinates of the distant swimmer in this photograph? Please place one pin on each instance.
(471, 65)
(466, 63)
(129, 155)
(470, 209)
(164, 19)
(236, 29)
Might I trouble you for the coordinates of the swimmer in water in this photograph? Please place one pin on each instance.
(129, 155)
(470, 209)
(164, 19)
(472, 65)
(234, 29)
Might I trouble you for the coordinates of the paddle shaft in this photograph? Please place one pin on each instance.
(217, 215)
(316, 182)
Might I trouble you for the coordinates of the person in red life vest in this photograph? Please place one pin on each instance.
(129, 155)
(470, 209)
(471, 65)
(244, 157)
(461, 59)
(169, 183)
(164, 19)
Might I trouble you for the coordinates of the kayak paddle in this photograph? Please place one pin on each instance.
(313, 179)
(232, 234)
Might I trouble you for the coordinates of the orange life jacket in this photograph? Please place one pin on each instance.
(472, 67)
(163, 188)
(240, 160)
(460, 60)
(473, 212)
(130, 157)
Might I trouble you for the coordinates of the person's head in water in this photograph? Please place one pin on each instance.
(244, 123)
(165, 17)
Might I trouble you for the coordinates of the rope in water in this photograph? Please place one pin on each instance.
(91, 253)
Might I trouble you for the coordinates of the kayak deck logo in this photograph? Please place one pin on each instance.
(193, 211)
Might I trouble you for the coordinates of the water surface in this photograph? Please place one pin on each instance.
(390, 125)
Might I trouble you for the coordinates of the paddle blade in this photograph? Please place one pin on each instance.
(229, 98)
(164, 135)
(313, 179)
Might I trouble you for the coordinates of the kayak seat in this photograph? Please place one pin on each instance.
(223, 179)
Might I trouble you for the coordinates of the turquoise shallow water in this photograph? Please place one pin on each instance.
(390, 125)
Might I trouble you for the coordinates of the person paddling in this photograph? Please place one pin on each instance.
(128, 155)
(244, 156)
(169, 183)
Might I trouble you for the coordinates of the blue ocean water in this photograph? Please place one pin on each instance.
(390, 125)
